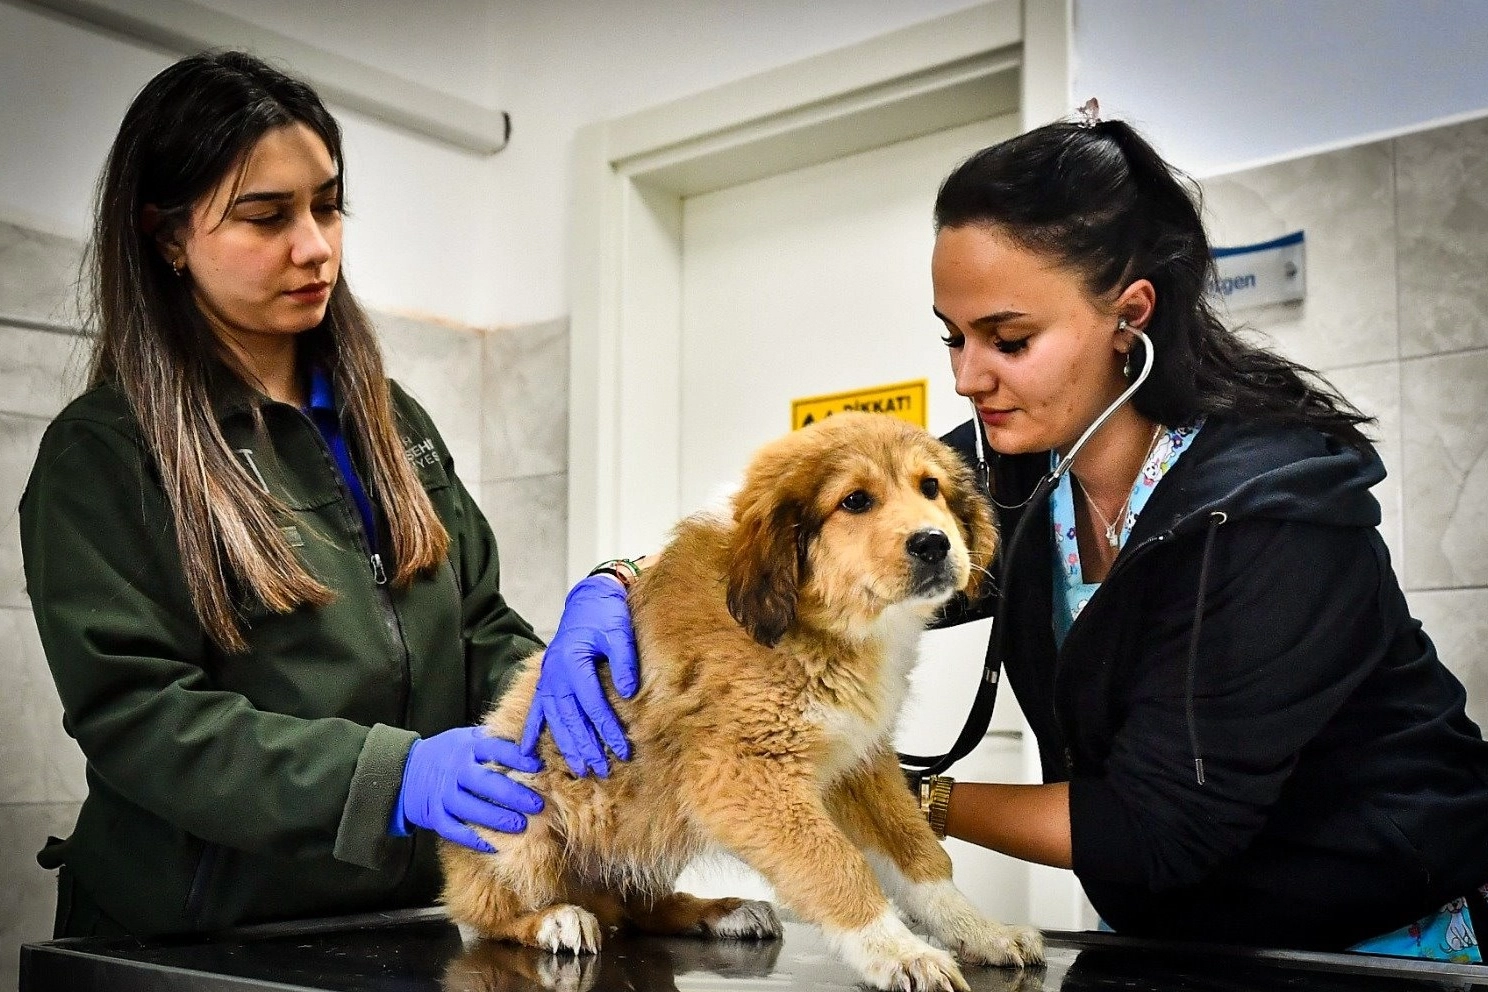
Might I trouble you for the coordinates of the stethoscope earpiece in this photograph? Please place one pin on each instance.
(984, 471)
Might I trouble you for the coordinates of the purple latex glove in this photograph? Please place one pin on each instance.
(569, 700)
(446, 787)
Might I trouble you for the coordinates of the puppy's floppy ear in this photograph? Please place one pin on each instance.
(973, 511)
(765, 561)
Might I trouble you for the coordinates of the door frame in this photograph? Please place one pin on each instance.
(633, 173)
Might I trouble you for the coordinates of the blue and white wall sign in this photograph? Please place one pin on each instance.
(1255, 275)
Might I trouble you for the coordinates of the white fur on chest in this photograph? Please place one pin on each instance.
(850, 736)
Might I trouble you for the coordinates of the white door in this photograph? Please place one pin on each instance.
(818, 281)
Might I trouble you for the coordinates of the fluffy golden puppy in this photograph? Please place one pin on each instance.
(775, 651)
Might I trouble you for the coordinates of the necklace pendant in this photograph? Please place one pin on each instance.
(1112, 538)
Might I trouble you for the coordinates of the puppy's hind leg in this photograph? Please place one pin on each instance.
(518, 895)
(875, 809)
(681, 913)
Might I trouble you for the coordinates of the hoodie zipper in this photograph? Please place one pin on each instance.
(1121, 565)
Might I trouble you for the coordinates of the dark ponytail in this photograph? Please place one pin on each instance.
(1101, 201)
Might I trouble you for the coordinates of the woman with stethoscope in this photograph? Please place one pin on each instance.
(1244, 735)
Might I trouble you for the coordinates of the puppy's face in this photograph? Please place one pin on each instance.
(850, 516)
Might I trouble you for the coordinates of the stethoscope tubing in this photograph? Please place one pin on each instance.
(980, 716)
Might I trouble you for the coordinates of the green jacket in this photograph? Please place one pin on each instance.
(226, 789)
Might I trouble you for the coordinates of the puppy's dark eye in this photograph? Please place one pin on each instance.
(857, 501)
(930, 487)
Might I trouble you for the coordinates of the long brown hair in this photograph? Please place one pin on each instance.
(185, 131)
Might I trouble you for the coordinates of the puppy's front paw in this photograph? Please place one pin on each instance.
(754, 919)
(568, 928)
(888, 956)
(957, 923)
(999, 944)
(931, 970)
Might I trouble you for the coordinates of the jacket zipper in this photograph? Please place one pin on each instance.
(196, 896)
(379, 574)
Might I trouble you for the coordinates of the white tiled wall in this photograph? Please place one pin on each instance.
(41, 769)
(1396, 316)
(500, 399)
(524, 464)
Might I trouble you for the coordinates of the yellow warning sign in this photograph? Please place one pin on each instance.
(905, 400)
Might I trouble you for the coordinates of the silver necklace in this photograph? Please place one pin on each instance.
(1113, 528)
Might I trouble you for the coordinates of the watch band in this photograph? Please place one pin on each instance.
(935, 801)
(624, 570)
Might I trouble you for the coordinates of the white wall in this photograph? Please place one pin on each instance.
(1219, 86)
(419, 237)
(484, 240)
(580, 61)
(433, 231)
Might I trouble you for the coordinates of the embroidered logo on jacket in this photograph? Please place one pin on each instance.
(421, 453)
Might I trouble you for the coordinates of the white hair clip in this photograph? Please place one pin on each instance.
(1089, 113)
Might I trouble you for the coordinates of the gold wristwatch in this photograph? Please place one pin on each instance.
(935, 801)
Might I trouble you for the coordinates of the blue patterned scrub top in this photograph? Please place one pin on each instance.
(1071, 591)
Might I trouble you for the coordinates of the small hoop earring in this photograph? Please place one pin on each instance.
(176, 268)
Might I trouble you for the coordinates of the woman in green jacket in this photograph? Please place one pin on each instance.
(271, 609)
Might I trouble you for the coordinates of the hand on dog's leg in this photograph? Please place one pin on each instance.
(778, 826)
(877, 813)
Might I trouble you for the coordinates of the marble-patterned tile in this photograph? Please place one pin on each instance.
(20, 437)
(440, 366)
(1456, 620)
(1443, 217)
(40, 370)
(529, 517)
(525, 409)
(1375, 390)
(1344, 201)
(28, 893)
(22, 778)
(39, 762)
(38, 276)
(1445, 431)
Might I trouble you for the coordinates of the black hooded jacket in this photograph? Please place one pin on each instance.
(1261, 743)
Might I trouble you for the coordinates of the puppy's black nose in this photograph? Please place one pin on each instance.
(928, 545)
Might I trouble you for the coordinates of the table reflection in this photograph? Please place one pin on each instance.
(634, 963)
(420, 951)
(802, 961)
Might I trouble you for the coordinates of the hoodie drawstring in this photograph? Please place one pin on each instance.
(1216, 518)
